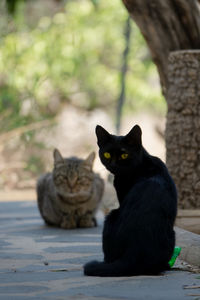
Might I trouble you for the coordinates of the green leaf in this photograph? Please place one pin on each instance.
(11, 5)
(95, 2)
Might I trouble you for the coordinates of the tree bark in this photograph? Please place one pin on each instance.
(167, 25)
(183, 125)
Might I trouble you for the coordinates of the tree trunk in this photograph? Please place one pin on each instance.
(183, 125)
(167, 26)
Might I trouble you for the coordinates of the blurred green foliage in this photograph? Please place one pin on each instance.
(74, 56)
(54, 52)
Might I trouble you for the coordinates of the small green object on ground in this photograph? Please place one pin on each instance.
(176, 253)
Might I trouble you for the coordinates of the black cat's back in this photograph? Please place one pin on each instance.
(143, 227)
(138, 237)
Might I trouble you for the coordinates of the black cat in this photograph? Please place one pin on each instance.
(138, 237)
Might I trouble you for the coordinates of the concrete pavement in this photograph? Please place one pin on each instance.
(40, 262)
(190, 244)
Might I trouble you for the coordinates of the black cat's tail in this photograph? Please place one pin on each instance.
(119, 268)
(114, 269)
(96, 268)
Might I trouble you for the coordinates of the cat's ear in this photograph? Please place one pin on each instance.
(103, 136)
(57, 157)
(88, 162)
(134, 137)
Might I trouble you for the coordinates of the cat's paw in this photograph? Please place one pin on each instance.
(68, 224)
(86, 222)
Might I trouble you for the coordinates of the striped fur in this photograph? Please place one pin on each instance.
(69, 196)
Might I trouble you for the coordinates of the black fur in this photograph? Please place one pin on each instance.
(138, 237)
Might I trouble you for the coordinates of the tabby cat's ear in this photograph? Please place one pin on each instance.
(103, 136)
(88, 162)
(57, 157)
(134, 137)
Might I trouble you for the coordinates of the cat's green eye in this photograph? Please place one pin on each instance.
(124, 155)
(107, 155)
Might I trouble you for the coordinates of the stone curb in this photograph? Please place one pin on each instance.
(190, 244)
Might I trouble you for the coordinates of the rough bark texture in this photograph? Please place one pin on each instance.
(167, 25)
(183, 125)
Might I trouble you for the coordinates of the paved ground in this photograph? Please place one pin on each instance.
(39, 262)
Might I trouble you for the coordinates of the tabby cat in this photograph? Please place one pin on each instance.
(138, 237)
(69, 196)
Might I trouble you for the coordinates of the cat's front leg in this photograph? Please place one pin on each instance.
(86, 218)
(68, 222)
